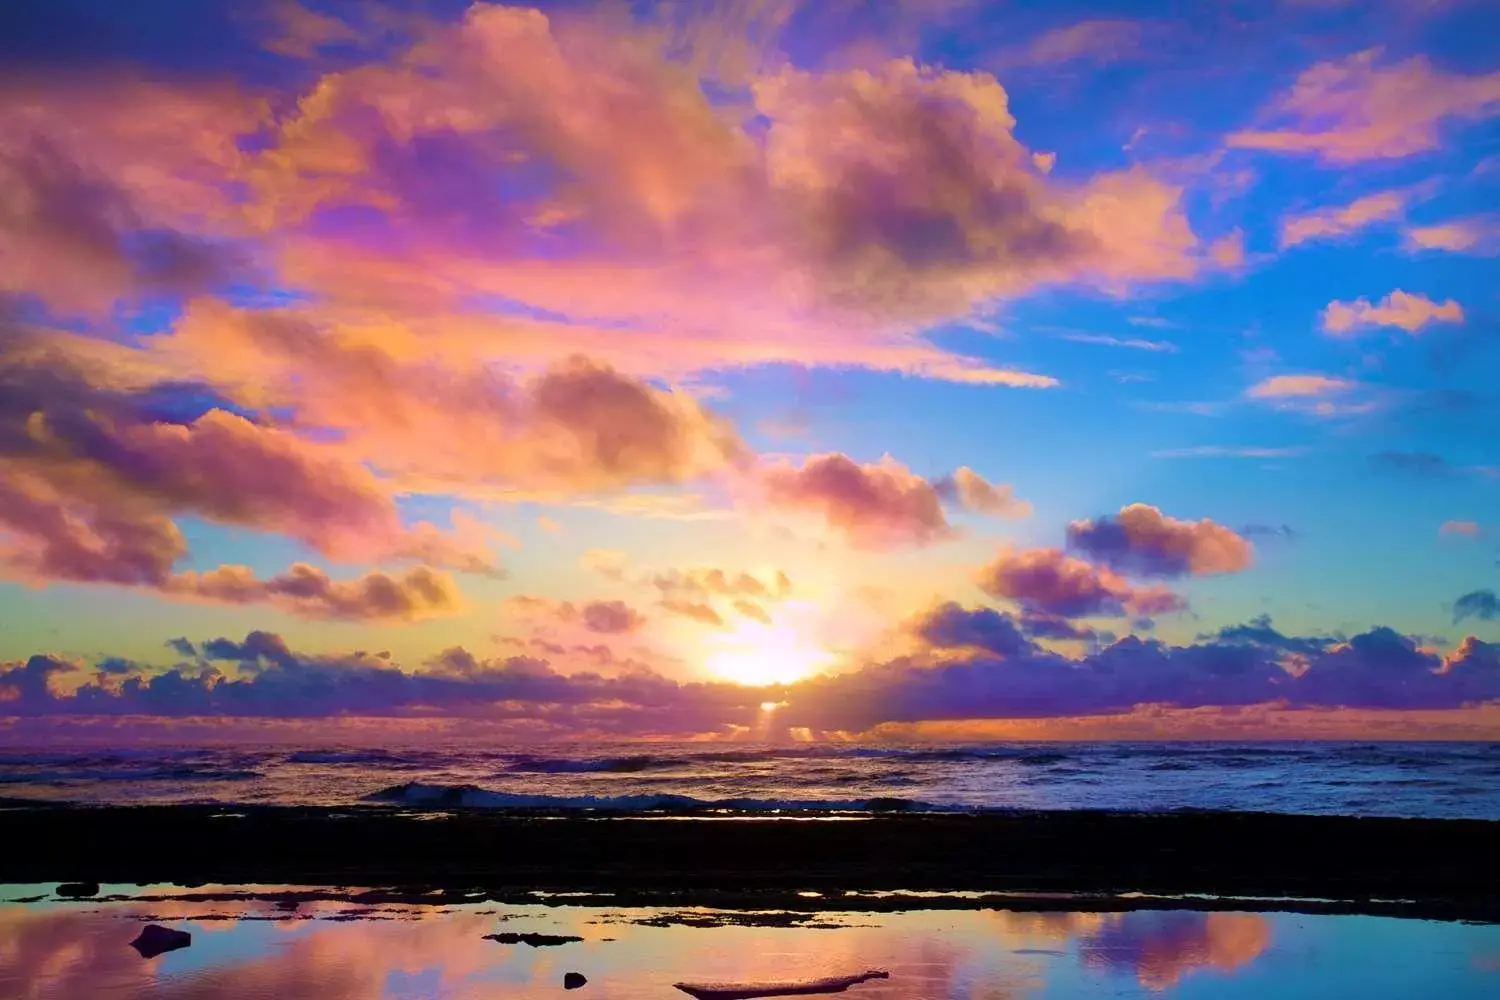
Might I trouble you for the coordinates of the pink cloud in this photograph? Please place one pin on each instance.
(445, 424)
(611, 617)
(879, 505)
(973, 492)
(1228, 251)
(47, 535)
(117, 188)
(1097, 41)
(1408, 311)
(1363, 108)
(1342, 220)
(1478, 235)
(1467, 529)
(1141, 539)
(1298, 386)
(1053, 583)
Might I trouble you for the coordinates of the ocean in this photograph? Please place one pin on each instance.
(1434, 780)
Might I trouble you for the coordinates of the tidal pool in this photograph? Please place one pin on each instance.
(255, 943)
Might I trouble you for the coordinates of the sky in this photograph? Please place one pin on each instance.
(628, 369)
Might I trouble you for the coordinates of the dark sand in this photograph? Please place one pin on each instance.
(1447, 869)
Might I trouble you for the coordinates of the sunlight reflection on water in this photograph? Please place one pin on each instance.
(330, 949)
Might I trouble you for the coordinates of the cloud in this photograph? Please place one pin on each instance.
(988, 670)
(1343, 220)
(697, 611)
(1097, 41)
(873, 506)
(1160, 948)
(1134, 343)
(973, 492)
(1049, 582)
(611, 617)
(608, 563)
(117, 189)
(1228, 251)
(1410, 312)
(634, 214)
(1298, 387)
(1479, 235)
(952, 626)
(457, 424)
(1468, 529)
(711, 582)
(753, 611)
(1480, 604)
(420, 592)
(1270, 531)
(1363, 108)
(1143, 541)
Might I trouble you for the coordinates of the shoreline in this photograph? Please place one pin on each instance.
(1438, 869)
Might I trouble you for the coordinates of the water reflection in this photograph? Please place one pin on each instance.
(335, 950)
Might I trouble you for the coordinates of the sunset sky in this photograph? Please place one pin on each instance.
(951, 367)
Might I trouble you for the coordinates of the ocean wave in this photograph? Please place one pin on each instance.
(418, 795)
(129, 774)
(383, 758)
(606, 765)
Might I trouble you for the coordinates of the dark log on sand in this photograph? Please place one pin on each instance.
(745, 991)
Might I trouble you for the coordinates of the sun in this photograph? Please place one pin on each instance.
(758, 655)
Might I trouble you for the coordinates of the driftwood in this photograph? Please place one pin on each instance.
(745, 991)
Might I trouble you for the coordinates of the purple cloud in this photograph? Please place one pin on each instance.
(990, 670)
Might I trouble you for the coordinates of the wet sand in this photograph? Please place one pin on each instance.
(1447, 869)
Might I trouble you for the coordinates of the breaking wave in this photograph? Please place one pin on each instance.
(417, 795)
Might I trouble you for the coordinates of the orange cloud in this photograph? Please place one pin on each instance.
(1477, 235)
(1408, 311)
(1053, 583)
(874, 506)
(1142, 539)
(751, 610)
(718, 583)
(973, 492)
(420, 592)
(441, 424)
(1326, 223)
(1469, 529)
(1228, 251)
(1360, 108)
(694, 610)
(1298, 386)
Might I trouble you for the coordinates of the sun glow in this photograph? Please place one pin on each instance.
(759, 655)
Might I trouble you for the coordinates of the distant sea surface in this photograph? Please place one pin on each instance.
(1438, 780)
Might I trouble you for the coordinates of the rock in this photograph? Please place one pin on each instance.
(533, 940)
(155, 939)
(573, 980)
(78, 890)
(804, 987)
